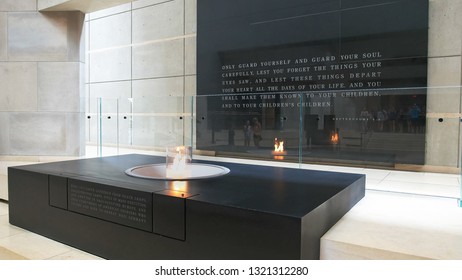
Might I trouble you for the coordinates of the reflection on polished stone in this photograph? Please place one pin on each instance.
(195, 171)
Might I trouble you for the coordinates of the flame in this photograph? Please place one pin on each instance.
(179, 168)
(278, 145)
(334, 138)
(279, 151)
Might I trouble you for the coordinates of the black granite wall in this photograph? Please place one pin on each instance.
(308, 69)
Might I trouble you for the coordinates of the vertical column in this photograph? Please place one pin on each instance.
(444, 81)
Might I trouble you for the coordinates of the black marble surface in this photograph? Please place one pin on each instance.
(284, 191)
(253, 212)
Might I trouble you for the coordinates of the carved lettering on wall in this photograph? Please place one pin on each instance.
(129, 209)
(343, 76)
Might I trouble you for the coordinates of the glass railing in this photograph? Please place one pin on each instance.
(118, 125)
(381, 128)
(412, 129)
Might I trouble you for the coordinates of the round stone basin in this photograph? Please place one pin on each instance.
(195, 171)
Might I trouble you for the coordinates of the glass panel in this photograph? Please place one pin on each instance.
(103, 126)
(110, 126)
(127, 125)
(256, 126)
(157, 125)
(379, 128)
(189, 116)
(412, 134)
(91, 129)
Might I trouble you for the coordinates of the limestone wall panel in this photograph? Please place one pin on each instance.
(18, 84)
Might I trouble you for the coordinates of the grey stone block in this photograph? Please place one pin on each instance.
(3, 36)
(111, 31)
(45, 36)
(38, 134)
(156, 22)
(51, 134)
(442, 142)
(5, 133)
(76, 36)
(160, 96)
(59, 86)
(18, 5)
(111, 90)
(444, 78)
(190, 16)
(18, 81)
(162, 59)
(444, 36)
(110, 65)
(86, 50)
(443, 100)
(444, 71)
(37, 37)
(144, 3)
(82, 87)
(158, 105)
(190, 56)
(75, 141)
(190, 85)
(110, 11)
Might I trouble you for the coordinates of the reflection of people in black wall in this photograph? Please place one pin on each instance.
(256, 129)
(392, 116)
(231, 133)
(247, 133)
(365, 119)
(381, 118)
(422, 119)
(414, 113)
(401, 120)
(231, 137)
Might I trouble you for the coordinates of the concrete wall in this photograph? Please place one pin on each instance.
(445, 79)
(85, 6)
(141, 63)
(41, 81)
(41, 85)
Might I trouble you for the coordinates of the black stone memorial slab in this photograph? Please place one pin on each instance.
(340, 81)
(254, 212)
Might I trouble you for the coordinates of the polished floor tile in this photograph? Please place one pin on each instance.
(17, 244)
(377, 174)
(7, 230)
(75, 255)
(33, 246)
(429, 178)
(417, 188)
(3, 187)
(3, 208)
(6, 254)
(398, 226)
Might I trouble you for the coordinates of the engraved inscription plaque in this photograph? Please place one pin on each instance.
(123, 206)
(339, 81)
